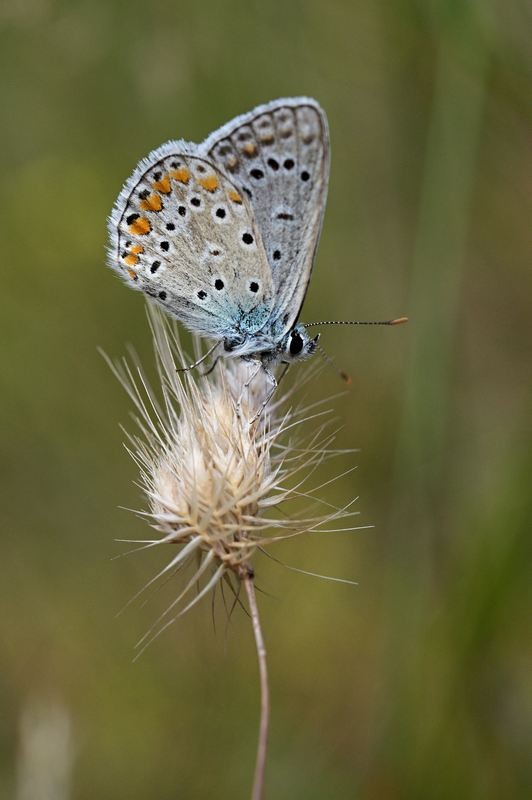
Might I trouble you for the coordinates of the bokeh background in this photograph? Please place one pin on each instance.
(417, 682)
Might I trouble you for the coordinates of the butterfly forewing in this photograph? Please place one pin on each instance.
(278, 156)
(183, 233)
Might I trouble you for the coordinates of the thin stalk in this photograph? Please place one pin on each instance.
(262, 746)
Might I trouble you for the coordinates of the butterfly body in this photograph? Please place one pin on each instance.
(223, 234)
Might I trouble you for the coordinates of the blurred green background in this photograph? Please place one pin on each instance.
(415, 684)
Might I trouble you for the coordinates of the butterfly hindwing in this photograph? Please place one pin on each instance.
(278, 156)
(184, 234)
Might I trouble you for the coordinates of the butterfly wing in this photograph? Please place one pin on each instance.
(278, 155)
(183, 234)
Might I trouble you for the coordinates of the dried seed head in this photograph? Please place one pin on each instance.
(213, 480)
(212, 472)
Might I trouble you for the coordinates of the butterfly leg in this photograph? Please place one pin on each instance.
(210, 369)
(283, 373)
(249, 381)
(286, 367)
(274, 384)
(200, 360)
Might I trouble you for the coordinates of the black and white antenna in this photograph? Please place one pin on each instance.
(398, 321)
(344, 376)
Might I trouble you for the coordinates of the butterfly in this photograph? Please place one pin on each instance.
(223, 234)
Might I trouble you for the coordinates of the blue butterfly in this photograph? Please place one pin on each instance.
(223, 234)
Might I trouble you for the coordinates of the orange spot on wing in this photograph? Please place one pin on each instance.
(151, 203)
(140, 226)
(235, 197)
(131, 260)
(210, 183)
(137, 248)
(163, 185)
(250, 149)
(182, 175)
(132, 274)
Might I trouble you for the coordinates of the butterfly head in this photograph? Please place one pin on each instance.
(298, 345)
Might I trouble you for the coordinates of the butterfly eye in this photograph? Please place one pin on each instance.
(296, 344)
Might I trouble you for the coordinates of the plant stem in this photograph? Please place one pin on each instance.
(262, 746)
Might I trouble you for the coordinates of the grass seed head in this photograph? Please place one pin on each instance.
(214, 482)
